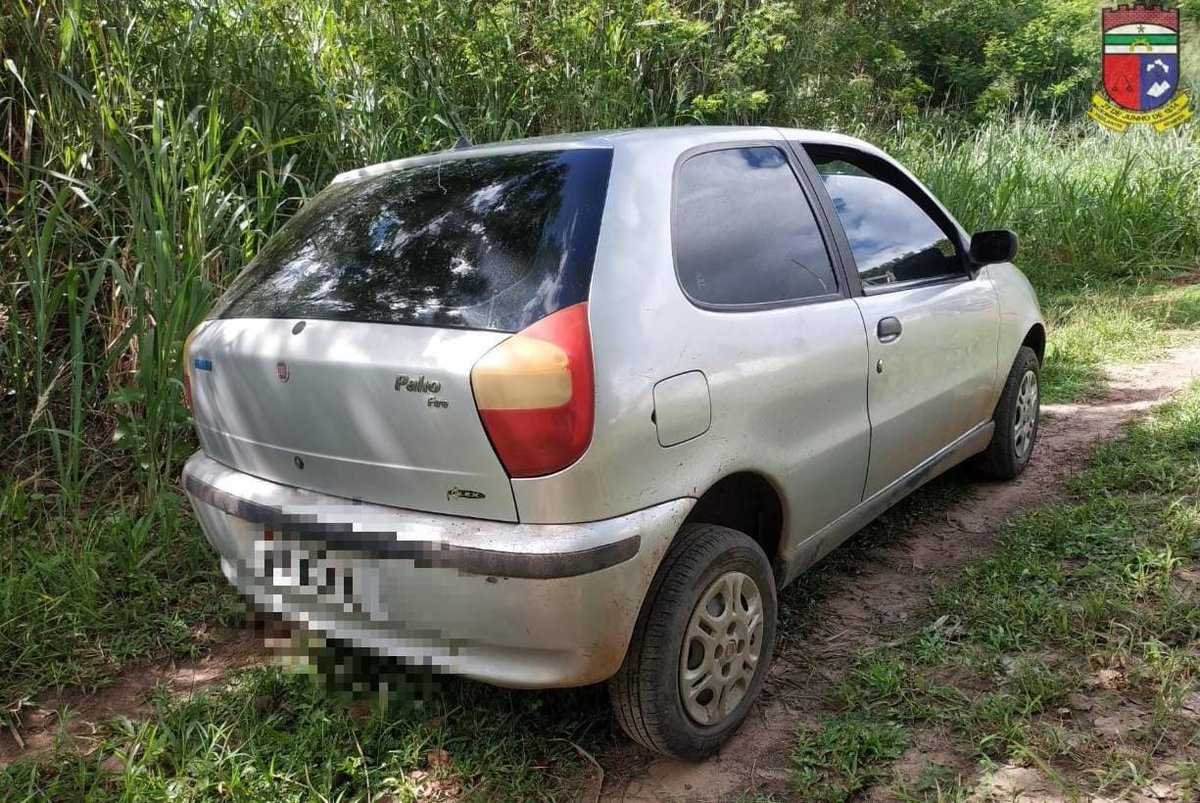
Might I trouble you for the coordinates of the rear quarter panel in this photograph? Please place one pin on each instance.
(644, 330)
(624, 468)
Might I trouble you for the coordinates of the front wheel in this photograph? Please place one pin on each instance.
(1016, 418)
(702, 645)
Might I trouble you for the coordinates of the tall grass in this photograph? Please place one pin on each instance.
(149, 147)
(152, 146)
(1091, 206)
(126, 204)
(1104, 220)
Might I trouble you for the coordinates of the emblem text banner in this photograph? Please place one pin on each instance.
(1110, 116)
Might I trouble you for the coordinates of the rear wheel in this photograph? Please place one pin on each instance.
(703, 642)
(1016, 418)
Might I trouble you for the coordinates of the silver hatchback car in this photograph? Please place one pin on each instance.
(573, 409)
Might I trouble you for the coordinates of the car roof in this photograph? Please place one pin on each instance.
(669, 138)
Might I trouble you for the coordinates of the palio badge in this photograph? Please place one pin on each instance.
(1141, 69)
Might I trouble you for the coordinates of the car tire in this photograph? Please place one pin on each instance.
(1016, 418)
(690, 643)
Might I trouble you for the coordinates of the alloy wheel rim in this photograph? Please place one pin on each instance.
(721, 648)
(1025, 422)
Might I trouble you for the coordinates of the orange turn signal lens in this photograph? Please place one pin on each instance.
(522, 373)
(536, 396)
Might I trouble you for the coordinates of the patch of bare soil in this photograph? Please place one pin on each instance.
(891, 586)
(77, 715)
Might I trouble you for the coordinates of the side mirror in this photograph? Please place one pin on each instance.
(990, 247)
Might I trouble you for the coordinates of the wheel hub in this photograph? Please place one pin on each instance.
(721, 648)
(1026, 414)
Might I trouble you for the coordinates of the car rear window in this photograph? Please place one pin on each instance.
(480, 242)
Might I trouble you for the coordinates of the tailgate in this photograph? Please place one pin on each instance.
(376, 412)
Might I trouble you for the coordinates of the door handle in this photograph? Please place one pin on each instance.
(888, 329)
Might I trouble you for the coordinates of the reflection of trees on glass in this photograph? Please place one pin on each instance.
(921, 264)
(892, 238)
(491, 242)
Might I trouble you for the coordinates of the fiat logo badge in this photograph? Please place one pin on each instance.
(282, 371)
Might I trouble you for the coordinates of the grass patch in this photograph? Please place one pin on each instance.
(842, 757)
(1124, 323)
(1072, 650)
(274, 735)
(82, 597)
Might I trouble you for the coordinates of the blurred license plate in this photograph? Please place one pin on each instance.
(310, 571)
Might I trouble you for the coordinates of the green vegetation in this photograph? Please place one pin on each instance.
(1079, 631)
(149, 147)
(271, 735)
(94, 591)
(842, 757)
(1087, 611)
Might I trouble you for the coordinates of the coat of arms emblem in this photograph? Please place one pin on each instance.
(1141, 69)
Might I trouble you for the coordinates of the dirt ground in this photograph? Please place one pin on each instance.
(890, 587)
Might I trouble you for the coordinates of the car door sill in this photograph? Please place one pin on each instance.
(824, 541)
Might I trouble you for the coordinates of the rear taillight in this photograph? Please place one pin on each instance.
(536, 396)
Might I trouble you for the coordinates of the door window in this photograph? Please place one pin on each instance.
(892, 237)
(745, 233)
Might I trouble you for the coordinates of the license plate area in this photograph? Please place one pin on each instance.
(336, 579)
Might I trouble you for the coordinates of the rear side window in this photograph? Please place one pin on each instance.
(484, 242)
(744, 231)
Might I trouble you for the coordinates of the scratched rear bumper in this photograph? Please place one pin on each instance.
(513, 604)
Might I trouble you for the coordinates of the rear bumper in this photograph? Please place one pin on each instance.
(524, 605)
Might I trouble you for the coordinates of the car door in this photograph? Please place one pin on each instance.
(932, 326)
(785, 356)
